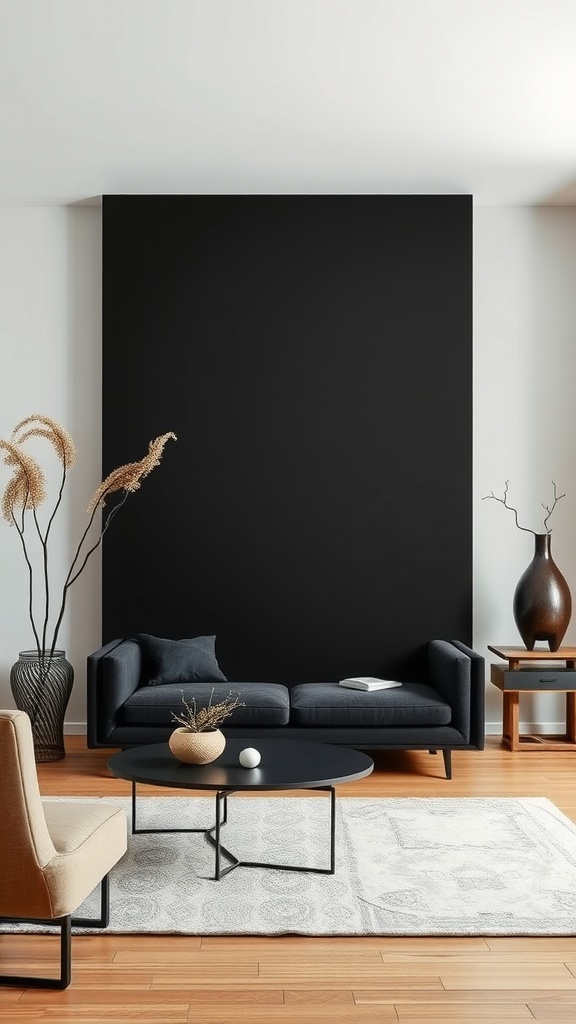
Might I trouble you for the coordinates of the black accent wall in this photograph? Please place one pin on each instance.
(314, 356)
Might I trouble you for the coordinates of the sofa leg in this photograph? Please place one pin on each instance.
(447, 755)
(432, 751)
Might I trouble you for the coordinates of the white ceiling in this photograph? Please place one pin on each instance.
(168, 96)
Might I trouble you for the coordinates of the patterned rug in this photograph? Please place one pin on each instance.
(404, 866)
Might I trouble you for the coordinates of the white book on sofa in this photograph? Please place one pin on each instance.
(368, 683)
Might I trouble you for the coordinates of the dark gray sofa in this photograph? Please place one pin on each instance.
(443, 710)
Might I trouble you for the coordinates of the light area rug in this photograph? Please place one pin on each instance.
(404, 866)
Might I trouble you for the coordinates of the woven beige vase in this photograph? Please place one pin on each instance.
(197, 747)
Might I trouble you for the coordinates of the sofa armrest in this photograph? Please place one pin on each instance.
(113, 674)
(477, 694)
(456, 672)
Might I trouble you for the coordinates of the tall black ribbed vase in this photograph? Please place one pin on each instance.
(41, 687)
(542, 601)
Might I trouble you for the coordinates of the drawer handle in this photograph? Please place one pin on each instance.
(548, 680)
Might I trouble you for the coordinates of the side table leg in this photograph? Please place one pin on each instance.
(511, 719)
(571, 717)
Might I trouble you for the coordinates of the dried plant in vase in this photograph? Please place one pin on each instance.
(549, 510)
(42, 679)
(198, 740)
(212, 716)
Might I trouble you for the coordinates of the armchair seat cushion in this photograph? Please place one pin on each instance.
(264, 703)
(88, 841)
(328, 704)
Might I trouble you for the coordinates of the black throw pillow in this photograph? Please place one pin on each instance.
(179, 661)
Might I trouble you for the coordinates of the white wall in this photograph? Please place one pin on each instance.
(50, 328)
(524, 418)
(524, 415)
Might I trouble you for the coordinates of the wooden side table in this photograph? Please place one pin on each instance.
(523, 675)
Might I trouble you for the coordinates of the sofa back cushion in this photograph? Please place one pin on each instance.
(179, 661)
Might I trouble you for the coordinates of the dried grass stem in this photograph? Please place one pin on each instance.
(195, 719)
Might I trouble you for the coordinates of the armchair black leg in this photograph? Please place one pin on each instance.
(26, 981)
(65, 923)
(447, 755)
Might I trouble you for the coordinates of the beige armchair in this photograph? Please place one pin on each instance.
(53, 854)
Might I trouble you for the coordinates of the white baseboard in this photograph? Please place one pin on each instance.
(541, 728)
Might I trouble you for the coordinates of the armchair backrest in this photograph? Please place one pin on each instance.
(25, 843)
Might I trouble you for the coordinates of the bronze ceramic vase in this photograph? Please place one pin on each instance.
(542, 601)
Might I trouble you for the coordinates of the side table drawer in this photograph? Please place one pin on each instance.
(533, 678)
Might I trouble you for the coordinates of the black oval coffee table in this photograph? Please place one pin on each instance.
(285, 764)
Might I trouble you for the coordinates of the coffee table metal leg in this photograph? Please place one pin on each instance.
(332, 830)
(221, 816)
(221, 851)
(213, 836)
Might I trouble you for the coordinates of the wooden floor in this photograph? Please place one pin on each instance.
(366, 980)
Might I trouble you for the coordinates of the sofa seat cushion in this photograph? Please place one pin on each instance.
(265, 703)
(327, 704)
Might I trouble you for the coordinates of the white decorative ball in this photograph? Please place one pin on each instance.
(249, 757)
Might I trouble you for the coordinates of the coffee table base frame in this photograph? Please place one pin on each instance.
(212, 835)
